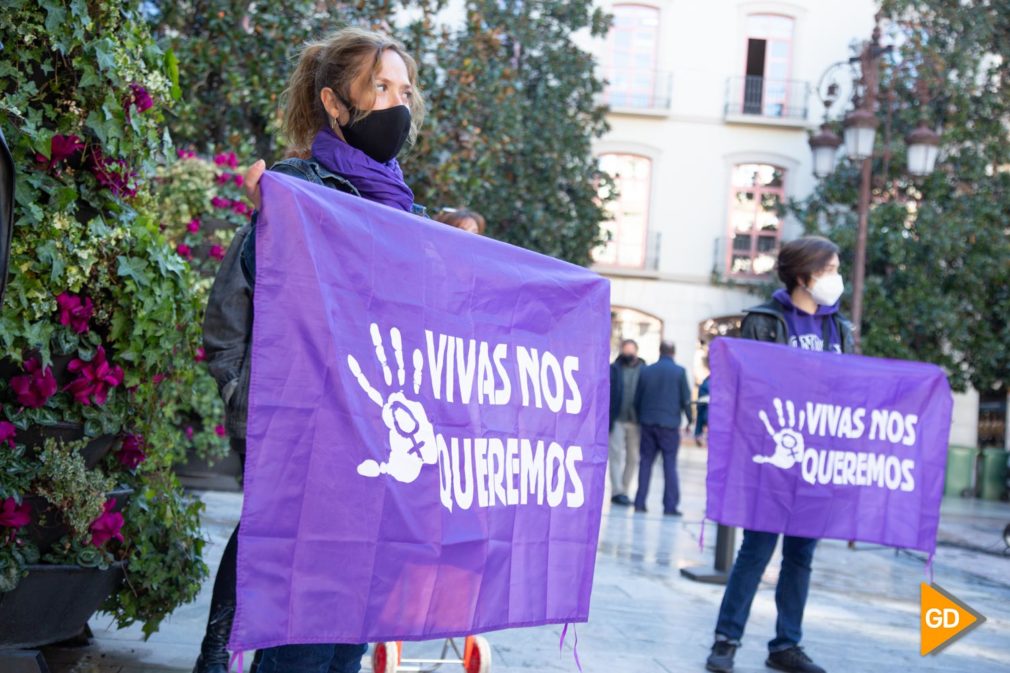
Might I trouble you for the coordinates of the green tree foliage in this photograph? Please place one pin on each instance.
(512, 100)
(938, 256)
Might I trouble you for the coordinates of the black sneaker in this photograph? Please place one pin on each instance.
(721, 658)
(621, 500)
(793, 660)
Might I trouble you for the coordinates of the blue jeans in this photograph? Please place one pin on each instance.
(311, 659)
(656, 440)
(790, 593)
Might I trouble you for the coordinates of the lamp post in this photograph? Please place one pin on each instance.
(860, 126)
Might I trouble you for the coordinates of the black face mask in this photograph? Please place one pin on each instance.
(627, 359)
(381, 134)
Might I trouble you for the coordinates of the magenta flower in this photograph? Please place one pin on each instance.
(94, 379)
(184, 251)
(223, 179)
(220, 202)
(216, 252)
(112, 174)
(61, 148)
(189, 432)
(201, 354)
(239, 180)
(219, 430)
(226, 159)
(138, 97)
(7, 432)
(35, 386)
(185, 154)
(240, 208)
(193, 226)
(13, 515)
(74, 312)
(158, 378)
(107, 526)
(131, 454)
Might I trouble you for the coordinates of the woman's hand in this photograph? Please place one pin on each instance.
(252, 182)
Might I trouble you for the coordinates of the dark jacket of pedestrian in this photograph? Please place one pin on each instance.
(617, 385)
(663, 394)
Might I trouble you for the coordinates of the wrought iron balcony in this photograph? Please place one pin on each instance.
(637, 89)
(759, 97)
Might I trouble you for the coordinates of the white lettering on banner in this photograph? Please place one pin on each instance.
(508, 473)
(837, 467)
(480, 472)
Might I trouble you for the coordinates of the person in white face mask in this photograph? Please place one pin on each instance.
(803, 314)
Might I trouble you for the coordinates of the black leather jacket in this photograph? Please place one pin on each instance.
(227, 324)
(767, 323)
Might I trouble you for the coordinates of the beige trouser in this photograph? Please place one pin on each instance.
(624, 441)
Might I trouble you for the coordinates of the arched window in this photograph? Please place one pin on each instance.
(757, 194)
(629, 213)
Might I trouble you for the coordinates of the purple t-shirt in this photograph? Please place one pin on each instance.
(808, 331)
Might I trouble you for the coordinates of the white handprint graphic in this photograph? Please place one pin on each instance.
(788, 441)
(411, 435)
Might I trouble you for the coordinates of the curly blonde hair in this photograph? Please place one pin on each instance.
(337, 61)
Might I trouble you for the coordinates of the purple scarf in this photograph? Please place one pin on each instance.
(374, 181)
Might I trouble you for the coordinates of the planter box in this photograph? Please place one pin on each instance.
(224, 475)
(46, 535)
(53, 603)
(93, 452)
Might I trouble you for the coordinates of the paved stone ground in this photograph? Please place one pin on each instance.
(863, 612)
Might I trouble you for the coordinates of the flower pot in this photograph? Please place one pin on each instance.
(197, 473)
(47, 526)
(93, 452)
(53, 603)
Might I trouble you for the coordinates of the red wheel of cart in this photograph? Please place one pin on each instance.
(477, 655)
(386, 657)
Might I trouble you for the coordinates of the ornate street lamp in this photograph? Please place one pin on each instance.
(825, 146)
(860, 133)
(923, 148)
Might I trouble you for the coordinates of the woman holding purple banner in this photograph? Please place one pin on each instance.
(353, 102)
(803, 314)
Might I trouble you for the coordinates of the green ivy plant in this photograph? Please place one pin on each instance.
(101, 321)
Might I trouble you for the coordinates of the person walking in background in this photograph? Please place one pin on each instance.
(701, 425)
(662, 396)
(804, 315)
(624, 432)
(462, 218)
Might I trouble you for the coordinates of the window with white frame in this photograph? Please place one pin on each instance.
(768, 68)
(628, 225)
(757, 195)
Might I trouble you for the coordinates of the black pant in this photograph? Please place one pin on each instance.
(656, 440)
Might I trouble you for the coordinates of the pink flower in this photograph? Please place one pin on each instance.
(239, 180)
(158, 378)
(184, 251)
(219, 430)
(201, 354)
(193, 226)
(220, 202)
(216, 252)
(131, 454)
(7, 432)
(107, 526)
(112, 174)
(189, 432)
(61, 148)
(239, 207)
(74, 312)
(229, 159)
(138, 97)
(94, 379)
(36, 386)
(185, 154)
(223, 179)
(13, 515)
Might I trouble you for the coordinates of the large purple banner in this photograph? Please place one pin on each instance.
(427, 437)
(827, 446)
